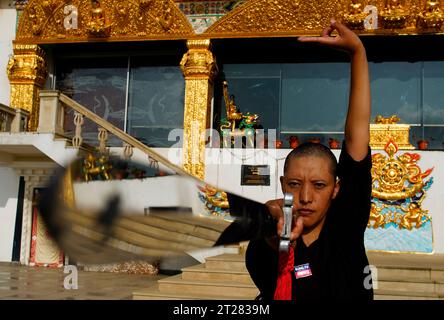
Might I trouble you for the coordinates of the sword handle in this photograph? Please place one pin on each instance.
(284, 243)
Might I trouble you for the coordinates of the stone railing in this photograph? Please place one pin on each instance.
(13, 120)
(53, 107)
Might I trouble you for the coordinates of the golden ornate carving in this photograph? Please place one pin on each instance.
(215, 201)
(396, 178)
(297, 17)
(199, 68)
(27, 74)
(391, 120)
(386, 129)
(98, 26)
(260, 17)
(233, 114)
(377, 217)
(398, 190)
(96, 168)
(51, 21)
(354, 19)
(394, 16)
(236, 123)
(431, 17)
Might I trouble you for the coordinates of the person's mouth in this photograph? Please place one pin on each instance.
(304, 212)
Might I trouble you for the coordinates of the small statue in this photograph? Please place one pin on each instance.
(376, 216)
(96, 168)
(97, 24)
(414, 215)
(356, 16)
(431, 17)
(249, 121)
(394, 15)
(233, 114)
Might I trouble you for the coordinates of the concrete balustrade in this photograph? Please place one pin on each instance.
(13, 120)
(52, 112)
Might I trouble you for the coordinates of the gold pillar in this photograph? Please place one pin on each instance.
(27, 74)
(199, 68)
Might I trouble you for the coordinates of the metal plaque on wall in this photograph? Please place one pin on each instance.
(257, 175)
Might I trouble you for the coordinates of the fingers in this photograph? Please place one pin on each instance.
(338, 26)
(326, 40)
(326, 33)
(298, 227)
(275, 208)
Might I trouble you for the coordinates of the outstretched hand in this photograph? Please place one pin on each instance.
(275, 207)
(345, 40)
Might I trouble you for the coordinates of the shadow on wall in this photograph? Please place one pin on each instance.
(9, 183)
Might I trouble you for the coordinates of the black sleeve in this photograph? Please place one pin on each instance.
(354, 197)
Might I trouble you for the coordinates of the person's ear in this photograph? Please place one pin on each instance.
(337, 187)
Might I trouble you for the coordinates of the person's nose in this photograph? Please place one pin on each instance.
(306, 194)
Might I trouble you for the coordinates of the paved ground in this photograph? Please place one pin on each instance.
(24, 283)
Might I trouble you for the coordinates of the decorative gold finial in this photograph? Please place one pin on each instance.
(391, 120)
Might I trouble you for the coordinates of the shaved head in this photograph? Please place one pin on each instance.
(313, 150)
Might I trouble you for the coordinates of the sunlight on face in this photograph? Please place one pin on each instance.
(313, 186)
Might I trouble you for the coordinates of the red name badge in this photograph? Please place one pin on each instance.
(302, 271)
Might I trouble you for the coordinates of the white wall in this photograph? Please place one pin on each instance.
(9, 184)
(8, 16)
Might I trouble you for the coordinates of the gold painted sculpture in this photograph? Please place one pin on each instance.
(431, 17)
(97, 26)
(391, 120)
(215, 201)
(394, 16)
(233, 114)
(216, 197)
(37, 21)
(386, 129)
(356, 16)
(398, 190)
(414, 215)
(376, 216)
(397, 178)
(96, 168)
(237, 120)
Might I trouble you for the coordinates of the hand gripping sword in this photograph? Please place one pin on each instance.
(284, 243)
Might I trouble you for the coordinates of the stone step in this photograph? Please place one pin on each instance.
(146, 228)
(403, 275)
(229, 290)
(153, 293)
(397, 297)
(178, 226)
(407, 261)
(201, 273)
(226, 262)
(423, 289)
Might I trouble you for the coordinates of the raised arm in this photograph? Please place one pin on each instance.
(357, 125)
